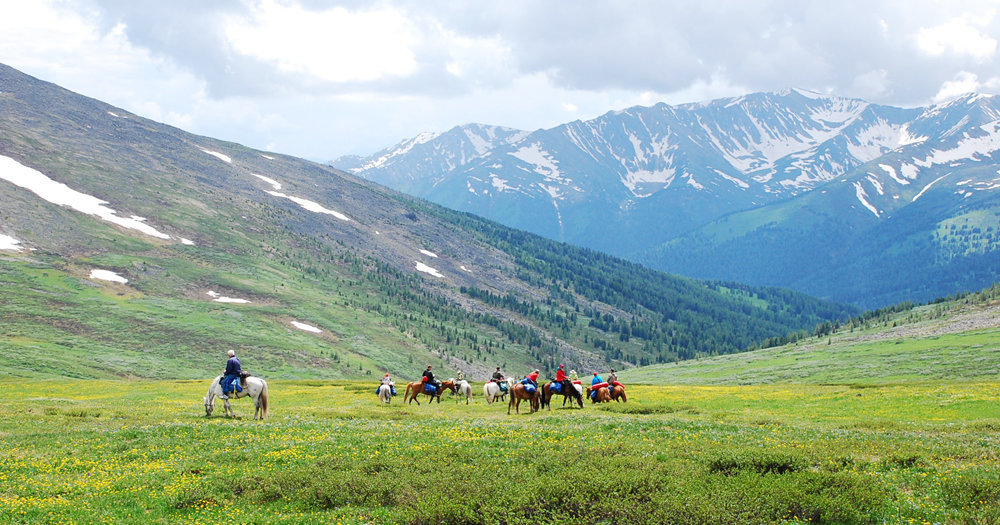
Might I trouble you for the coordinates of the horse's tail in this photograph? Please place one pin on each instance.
(406, 395)
(263, 401)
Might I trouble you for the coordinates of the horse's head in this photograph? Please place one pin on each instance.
(209, 407)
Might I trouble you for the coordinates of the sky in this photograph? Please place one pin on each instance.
(320, 79)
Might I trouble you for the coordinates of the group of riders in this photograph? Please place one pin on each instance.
(231, 379)
(433, 385)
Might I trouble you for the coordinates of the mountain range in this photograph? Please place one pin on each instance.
(129, 248)
(836, 197)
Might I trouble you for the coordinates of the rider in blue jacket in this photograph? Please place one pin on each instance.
(233, 370)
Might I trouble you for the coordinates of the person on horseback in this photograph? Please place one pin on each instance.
(597, 379)
(563, 379)
(386, 380)
(612, 377)
(230, 381)
(497, 376)
(533, 377)
(428, 378)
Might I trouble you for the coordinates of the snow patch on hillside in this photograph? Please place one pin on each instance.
(501, 184)
(927, 187)
(274, 184)
(542, 161)
(61, 194)
(421, 267)
(107, 275)
(732, 179)
(306, 327)
(905, 138)
(967, 148)
(220, 156)
(312, 206)
(9, 243)
(429, 253)
(859, 190)
(873, 141)
(877, 184)
(633, 180)
(216, 297)
(892, 174)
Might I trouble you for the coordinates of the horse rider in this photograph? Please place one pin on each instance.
(612, 378)
(497, 376)
(386, 380)
(533, 377)
(232, 375)
(428, 378)
(597, 379)
(460, 376)
(563, 379)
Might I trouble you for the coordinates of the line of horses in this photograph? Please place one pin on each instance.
(256, 389)
(537, 399)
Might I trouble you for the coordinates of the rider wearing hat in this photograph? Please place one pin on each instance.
(232, 375)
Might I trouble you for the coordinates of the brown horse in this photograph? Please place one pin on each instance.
(547, 395)
(603, 395)
(517, 393)
(618, 394)
(417, 387)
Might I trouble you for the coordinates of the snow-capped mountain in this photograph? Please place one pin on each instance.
(415, 162)
(629, 182)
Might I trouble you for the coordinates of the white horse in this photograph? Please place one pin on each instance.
(492, 391)
(463, 389)
(256, 389)
(385, 393)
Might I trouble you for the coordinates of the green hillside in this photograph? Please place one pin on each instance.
(956, 340)
(338, 277)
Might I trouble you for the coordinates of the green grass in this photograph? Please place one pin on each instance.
(74, 451)
(928, 343)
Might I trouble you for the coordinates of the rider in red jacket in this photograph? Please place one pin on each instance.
(567, 386)
(533, 377)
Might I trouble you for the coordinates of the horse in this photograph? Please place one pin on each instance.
(256, 389)
(463, 389)
(385, 393)
(547, 393)
(417, 387)
(492, 390)
(603, 395)
(518, 393)
(618, 394)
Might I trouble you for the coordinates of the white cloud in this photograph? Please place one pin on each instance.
(965, 82)
(336, 45)
(958, 36)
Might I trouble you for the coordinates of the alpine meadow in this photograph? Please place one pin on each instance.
(135, 256)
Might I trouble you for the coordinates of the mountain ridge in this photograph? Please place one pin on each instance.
(634, 182)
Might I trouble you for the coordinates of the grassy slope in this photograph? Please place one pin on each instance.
(947, 341)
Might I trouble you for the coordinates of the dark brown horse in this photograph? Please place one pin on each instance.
(417, 387)
(618, 394)
(547, 395)
(603, 395)
(518, 393)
